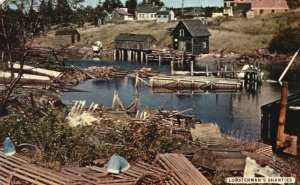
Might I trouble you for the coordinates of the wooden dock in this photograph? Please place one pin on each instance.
(195, 83)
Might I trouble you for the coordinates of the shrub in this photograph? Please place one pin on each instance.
(286, 41)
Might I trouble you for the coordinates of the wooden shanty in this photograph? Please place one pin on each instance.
(69, 32)
(191, 36)
(270, 119)
(133, 46)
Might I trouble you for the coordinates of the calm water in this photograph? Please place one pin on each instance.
(233, 112)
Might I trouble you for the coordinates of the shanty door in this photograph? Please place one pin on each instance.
(182, 46)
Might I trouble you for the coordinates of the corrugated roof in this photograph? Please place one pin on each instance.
(196, 28)
(266, 4)
(132, 37)
(148, 9)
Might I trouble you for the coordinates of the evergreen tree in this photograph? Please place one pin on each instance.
(110, 5)
(50, 11)
(63, 11)
(131, 4)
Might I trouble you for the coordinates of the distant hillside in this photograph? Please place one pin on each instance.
(237, 35)
(107, 33)
(242, 35)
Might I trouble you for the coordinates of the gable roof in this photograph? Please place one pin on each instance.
(147, 9)
(121, 11)
(267, 4)
(133, 37)
(163, 13)
(195, 27)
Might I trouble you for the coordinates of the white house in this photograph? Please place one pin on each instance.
(121, 15)
(147, 12)
(165, 16)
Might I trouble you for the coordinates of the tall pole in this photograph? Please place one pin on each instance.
(182, 7)
(284, 99)
(287, 68)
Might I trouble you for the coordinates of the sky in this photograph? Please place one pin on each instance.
(175, 3)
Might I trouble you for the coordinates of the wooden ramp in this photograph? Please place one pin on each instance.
(195, 82)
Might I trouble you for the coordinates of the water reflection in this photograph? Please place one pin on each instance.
(237, 112)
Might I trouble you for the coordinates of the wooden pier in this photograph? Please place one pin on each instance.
(195, 83)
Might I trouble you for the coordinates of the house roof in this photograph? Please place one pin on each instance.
(195, 27)
(293, 100)
(148, 9)
(163, 13)
(133, 37)
(122, 12)
(266, 4)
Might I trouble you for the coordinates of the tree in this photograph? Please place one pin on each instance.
(131, 4)
(286, 41)
(18, 26)
(50, 11)
(63, 11)
(156, 2)
(110, 5)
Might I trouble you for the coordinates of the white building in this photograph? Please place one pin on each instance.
(147, 12)
(121, 15)
(165, 16)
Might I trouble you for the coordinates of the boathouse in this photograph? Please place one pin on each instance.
(66, 33)
(270, 119)
(191, 36)
(129, 46)
(139, 42)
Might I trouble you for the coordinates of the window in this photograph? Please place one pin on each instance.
(151, 15)
(261, 11)
(165, 16)
(272, 11)
(143, 16)
(158, 16)
(140, 15)
(181, 33)
(204, 45)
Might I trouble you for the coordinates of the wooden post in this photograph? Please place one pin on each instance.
(206, 69)
(192, 68)
(159, 60)
(218, 68)
(146, 57)
(172, 67)
(2, 56)
(142, 56)
(129, 55)
(136, 56)
(115, 54)
(281, 126)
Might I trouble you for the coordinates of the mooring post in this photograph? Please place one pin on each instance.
(115, 54)
(159, 60)
(136, 56)
(281, 126)
(206, 69)
(192, 68)
(172, 67)
(142, 56)
(218, 68)
(146, 58)
(129, 55)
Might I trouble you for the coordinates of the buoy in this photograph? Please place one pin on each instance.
(9, 147)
